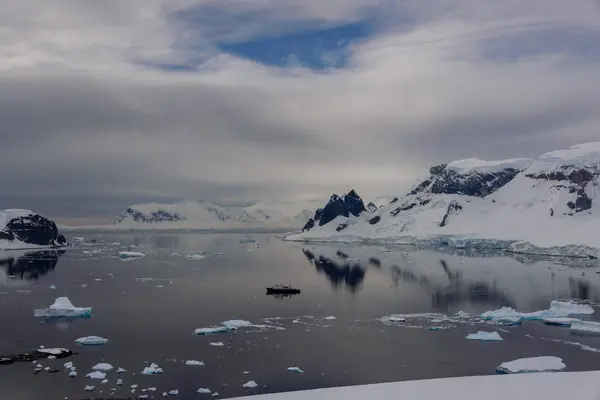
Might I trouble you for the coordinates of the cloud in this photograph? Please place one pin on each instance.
(93, 118)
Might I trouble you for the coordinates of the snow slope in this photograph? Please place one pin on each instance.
(547, 386)
(203, 215)
(550, 205)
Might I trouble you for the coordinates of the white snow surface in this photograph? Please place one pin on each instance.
(62, 307)
(516, 217)
(547, 386)
(475, 165)
(532, 364)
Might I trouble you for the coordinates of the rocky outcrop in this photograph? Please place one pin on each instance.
(453, 208)
(576, 180)
(154, 216)
(346, 205)
(371, 207)
(33, 229)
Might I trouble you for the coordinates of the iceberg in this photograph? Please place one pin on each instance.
(194, 363)
(250, 385)
(533, 364)
(485, 336)
(130, 254)
(196, 256)
(211, 330)
(89, 388)
(174, 392)
(240, 323)
(558, 309)
(91, 340)
(57, 352)
(203, 391)
(570, 308)
(152, 370)
(217, 344)
(391, 319)
(102, 367)
(121, 370)
(62, 307)
(68, 365)
(119, 382)
(72, 374)
(96, 375)
(585, 328)
(331, 318)
(295, 369)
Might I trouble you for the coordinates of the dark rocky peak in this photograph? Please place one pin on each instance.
(346, 205)
(371, 207)
(33, 229)
(154, 216)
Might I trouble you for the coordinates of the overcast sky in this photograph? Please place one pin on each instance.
(109, 103)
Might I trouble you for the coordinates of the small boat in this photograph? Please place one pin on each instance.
(282, 289)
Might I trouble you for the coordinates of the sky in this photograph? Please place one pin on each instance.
(104, 104)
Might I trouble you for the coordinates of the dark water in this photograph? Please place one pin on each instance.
(147, 323)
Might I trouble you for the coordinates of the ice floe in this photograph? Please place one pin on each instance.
(532, 364)
(331, 318)
(585, 328)
(102, 367)
(174, 392)
(295, 369)
(54, 351)
(68, 365)
(558, 309)
(62, 307)
(121, 370)
(211, 330)
(72, 374)
(194, 363)
(217, 344)
(130, 254)
(229, 326)
(152, 370)
(203, 391)
(119, 382)
(250, 385)
(91, 340)
(96, 375)
(485, 336)
(89, 388)
(196, 256)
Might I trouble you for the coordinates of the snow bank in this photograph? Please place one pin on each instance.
(62, 307)
(547, 386)
(533, 364)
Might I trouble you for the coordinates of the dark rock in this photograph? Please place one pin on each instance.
(395, 199)
(410, 206)
(309, 225)
(437, 169)
(453, 208)
(349, 204)
(552, 212)
(375, 220)
(583, 202)
(576, 180)
(341, 226)
(371, 207)
(7, 235)
(155, 216)
(33, 356)
(34, 229)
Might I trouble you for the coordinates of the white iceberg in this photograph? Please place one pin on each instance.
(485, 336)
(119, 382)
(196, 256)
(562, 321)
(295, 369)
(91, 341)
(571, 308)
(250, 385)
(211, 330)
(558, 309)
(96, 375)
(391, 319)
(585, 328)
(240, 323)
(53, 287)
(152, 370)
(72, 374)
(174, 392)
(53, 351)
(104, 381)
(331, 318)
(508, 320)
(131, 254)
(533, 364)
(62, 307)
(121, 370)
(194, 363)
(102, 367)
(217, 344)
(203, 391)
(89, 388)
(68, 365)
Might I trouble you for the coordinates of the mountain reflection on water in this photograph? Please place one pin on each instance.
(31, 265)
(340, 273)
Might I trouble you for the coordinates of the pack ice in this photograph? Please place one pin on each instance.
(532, 364)
(62, 307)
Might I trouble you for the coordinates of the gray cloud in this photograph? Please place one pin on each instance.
(89, 126)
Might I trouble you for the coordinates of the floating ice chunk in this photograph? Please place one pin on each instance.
(174, 392)
(562, 321)
(150, 389)
(500, 313)
(331, 318)
(240, 323)
(121, 370)
(250, 385)
(203, 391)
(54, 351)
(533, 364)
(53, 287)
(462, 314)
(104, 381)
(68, 365)
(119, 382)
(211, 330)
(152, 370)
(102, 367)
(570, 308)
(194, 363)
(91, 340)
(485, 336)
(215, 394)
(295, 369)
(78, 239)
(96, 375)
(585, 328)
(196, 256)
(143, 396)
(89, 388)
(133, 386)
(391, 319)
(62, 307)
(508, 320)
(131, 254)
(217, 344)
(174, 255)
(72, 374)
(246, 372)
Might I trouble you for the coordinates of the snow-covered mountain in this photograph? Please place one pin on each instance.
(203, 215)
(548, 204)
(23, 229)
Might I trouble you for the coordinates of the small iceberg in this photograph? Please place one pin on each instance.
(217, 344)
(89, 388)
(194, 363)
(130, 254)
(570, 308)
(561, 321)
(585, 328)
(508, 320)
(250, 385)
(102, 367)
(240, 323)
(91, 341)
(72, 374)
(485, 336)
(211, 330)
(56, 352)
(533, 364)
(203, 391)
(62, 307)
(247, 240)
(331, 318)
(121, 370)
(391, 319)
(96, 375)
(295, 369)
(174, 255)
(196, 256)
(558, 309)
(174, 392)
(153, 369)
(68, 365)
(119, 382)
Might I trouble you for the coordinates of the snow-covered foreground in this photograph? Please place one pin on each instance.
(544, 206)
(547, 386)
